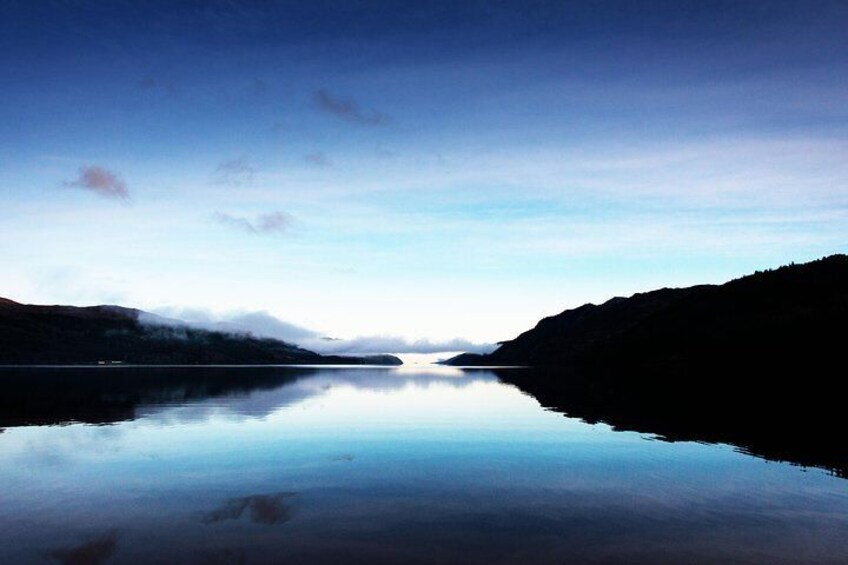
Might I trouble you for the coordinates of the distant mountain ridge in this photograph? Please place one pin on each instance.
(785, 315)
(44, 335)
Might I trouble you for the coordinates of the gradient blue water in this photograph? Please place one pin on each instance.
(397, 465)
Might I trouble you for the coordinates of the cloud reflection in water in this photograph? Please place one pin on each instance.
(268, 509)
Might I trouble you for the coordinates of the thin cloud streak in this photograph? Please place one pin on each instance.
(716, 172)
(152, 84)
(273, 222)
(318, 159)
(234, 172)
(347, 109)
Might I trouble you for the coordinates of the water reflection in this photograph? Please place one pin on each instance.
(224, 556)
(92, 552)
(268, 509)
(795, 430)
(51, 396)
(377, 465)
(56, 396)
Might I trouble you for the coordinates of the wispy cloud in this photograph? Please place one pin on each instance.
(260, 87)
(272, 222)
(348, 109)
(384, 153)
(100, 181)
(234, 172)
(318, 159)
(152, 84)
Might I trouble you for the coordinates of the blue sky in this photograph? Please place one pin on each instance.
(418, 169)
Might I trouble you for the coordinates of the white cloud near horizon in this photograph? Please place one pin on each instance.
(263, 324)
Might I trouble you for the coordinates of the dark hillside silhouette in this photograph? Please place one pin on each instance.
(794, 316)
(758, 362)
(43, 335)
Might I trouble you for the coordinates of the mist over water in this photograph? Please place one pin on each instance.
(410, 464)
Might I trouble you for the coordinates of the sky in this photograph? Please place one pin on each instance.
(415, 172)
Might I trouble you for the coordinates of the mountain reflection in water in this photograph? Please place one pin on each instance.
(433, 464)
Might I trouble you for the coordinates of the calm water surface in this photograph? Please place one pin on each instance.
(372, 465)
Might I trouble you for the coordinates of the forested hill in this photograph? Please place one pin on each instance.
(43, 335)
(793, 315)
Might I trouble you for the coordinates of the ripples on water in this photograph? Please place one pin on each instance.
(371, 465)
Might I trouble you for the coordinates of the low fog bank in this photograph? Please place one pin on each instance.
(263, 324)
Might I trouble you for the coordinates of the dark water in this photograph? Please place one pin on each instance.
(375, 465)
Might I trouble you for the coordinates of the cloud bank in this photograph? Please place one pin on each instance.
(363, 345)
(263, 324)
(100, 181)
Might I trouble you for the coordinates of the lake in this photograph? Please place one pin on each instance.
(375, 465)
